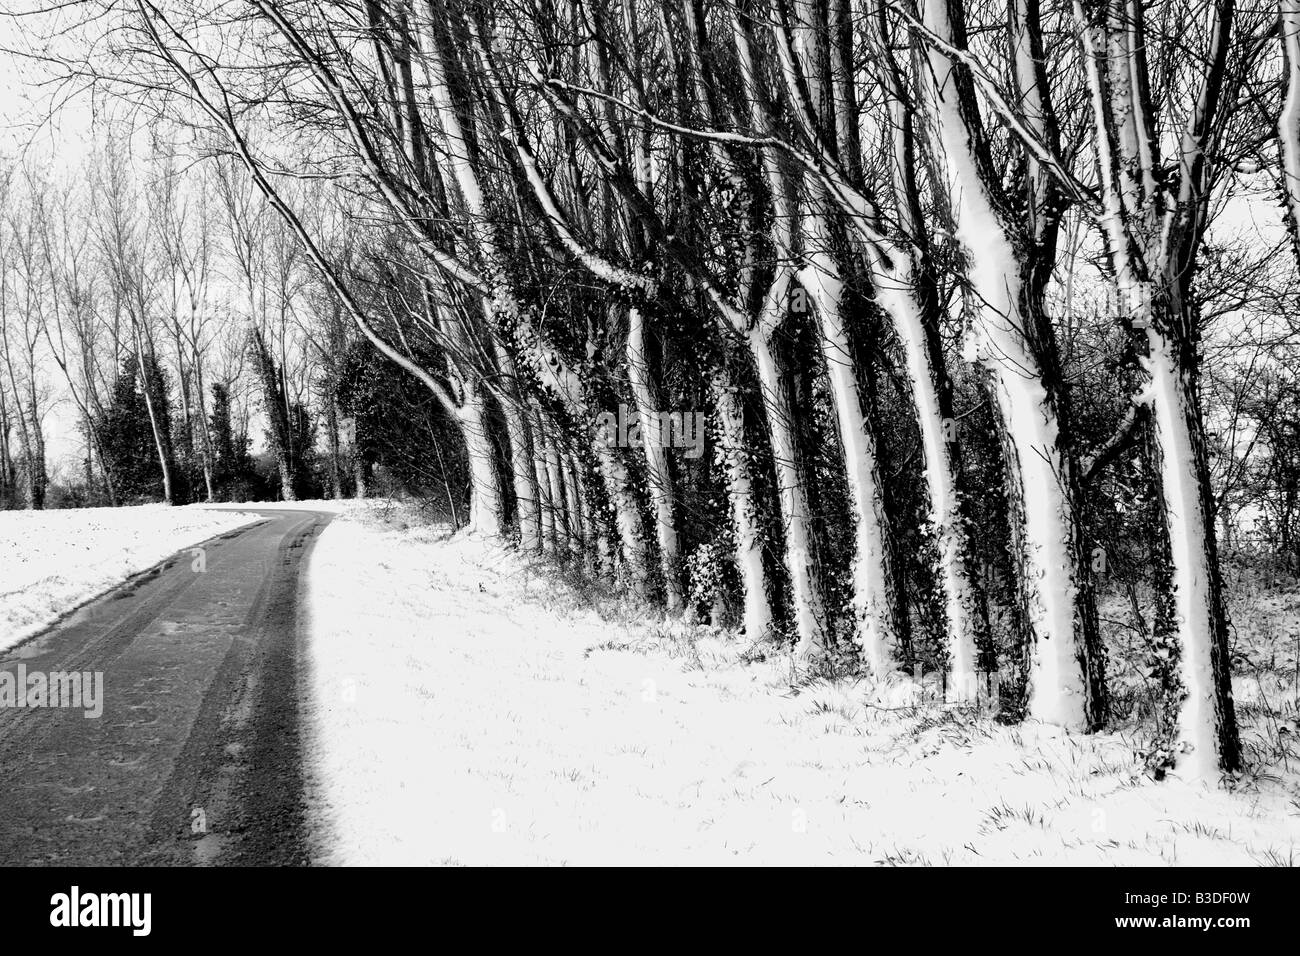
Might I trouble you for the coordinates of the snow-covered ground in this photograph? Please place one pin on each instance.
(467, 707)
(54, 561)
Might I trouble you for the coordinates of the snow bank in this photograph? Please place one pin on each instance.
(54, 561)
(466, 707)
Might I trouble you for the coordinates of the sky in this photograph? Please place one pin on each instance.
(47, 127)
(41, 115)
(33, 131)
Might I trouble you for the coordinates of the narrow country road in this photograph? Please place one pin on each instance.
(196, 758)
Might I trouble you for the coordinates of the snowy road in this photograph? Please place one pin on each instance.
(196, 756)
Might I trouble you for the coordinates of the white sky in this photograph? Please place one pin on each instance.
(29, 133)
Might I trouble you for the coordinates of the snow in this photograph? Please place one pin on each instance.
(467, 706)
(52, 562)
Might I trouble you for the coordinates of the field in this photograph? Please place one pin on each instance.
(468, 706)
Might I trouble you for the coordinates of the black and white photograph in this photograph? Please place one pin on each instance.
(651, 433)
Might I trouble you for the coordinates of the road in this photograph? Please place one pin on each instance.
(196, 758)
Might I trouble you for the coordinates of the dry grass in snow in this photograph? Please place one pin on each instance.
(467, 707)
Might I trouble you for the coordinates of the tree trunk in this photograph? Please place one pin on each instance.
(160, 443)
(757, 603)
(874, 603)
(205, 431)
(548, 541)
(808, 609)
(1288, 121)
(273, 401)
(1038, 470)
(1207, 740)
(37, 476)
(360, 474)
(627, 517)
(931, 394)
(523, 476)
(562, 522)
(6, 459)
(578, 543)
(485, 511)
(332, 439)
(659, 475)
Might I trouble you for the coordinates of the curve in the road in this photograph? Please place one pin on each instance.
(197, 757)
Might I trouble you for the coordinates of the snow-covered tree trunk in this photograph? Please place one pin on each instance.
(659, 476)
(485, 511)
(923, 362)
(564, 519)
(757, 615)
(523, 477)
(6, 466)
(460, 134)
(635, 561)
(873, 573)
(549, 541)
(1288, 121)
(591, 533)
(1154, 223)
(566, 522)
(514, 409)
(774, 213)
(808, 608)
(1207, 727)
(899, 287)
(814, 49)
(1036, 466)
(1041, 510)
(905, 285)
(360, 475)
(579, 545)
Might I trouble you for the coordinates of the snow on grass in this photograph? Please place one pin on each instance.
(467, 707)
(54, 561)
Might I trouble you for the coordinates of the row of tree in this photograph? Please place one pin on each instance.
(156, 316)
(939, 273)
